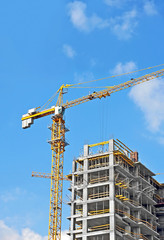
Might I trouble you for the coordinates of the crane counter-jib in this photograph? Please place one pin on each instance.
(27, 119)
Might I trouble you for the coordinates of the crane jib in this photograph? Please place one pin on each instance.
(27, 119)
(116, 88)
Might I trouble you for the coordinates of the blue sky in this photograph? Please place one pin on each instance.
(44, 44)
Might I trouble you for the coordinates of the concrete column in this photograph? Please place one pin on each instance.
(112, 190)
(85, 211)
(72, 202)
(86, 150)
(128, 229)
(85, 193)
(73, 165)
(72, 199)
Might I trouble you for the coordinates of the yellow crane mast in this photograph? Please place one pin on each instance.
(58, 142)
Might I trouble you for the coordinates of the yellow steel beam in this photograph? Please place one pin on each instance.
(40, 114)
(98, 144)
(123, 145)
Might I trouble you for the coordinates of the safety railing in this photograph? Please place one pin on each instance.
(124, 164)
(78, 226)
(134, 203)
(79, 211)
(121, 197)
(143, 176)
(79, 165)
(99, 227)
(121, 184)
(96, 212)
(123, 231)
(98, 180)
(98, 195)
(135, 219)
(157, 198)
(124, 198)
(99, 165)
(155, 183)
(121, 147)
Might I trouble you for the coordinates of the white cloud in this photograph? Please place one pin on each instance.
(8, 233)
(150, 8)
(69, 51)
(28, 234)
(123, 26)
(124, 68)
(149, 97)
(77, 13)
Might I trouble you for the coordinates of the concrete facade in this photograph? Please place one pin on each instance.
(160, 211)
(114, 196)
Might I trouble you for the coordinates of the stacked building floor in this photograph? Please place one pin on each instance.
(114, 196)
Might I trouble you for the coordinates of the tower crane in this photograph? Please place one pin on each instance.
(58, 142)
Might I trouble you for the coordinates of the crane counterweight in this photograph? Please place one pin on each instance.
(59, 110)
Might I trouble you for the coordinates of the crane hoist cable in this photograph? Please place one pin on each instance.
(118, 75)
(49, 101)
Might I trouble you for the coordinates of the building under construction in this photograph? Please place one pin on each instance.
(114, 196)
